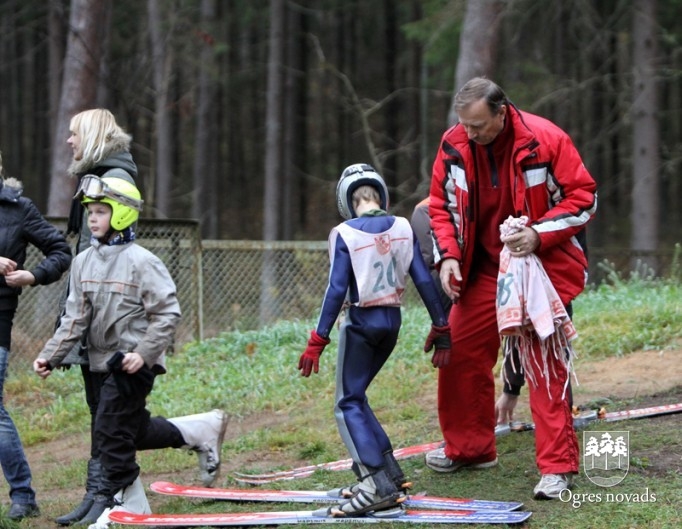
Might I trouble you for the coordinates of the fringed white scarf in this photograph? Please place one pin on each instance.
(528, 308)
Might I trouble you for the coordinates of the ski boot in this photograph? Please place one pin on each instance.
(375, 492)
(349, 490)
(396, 473)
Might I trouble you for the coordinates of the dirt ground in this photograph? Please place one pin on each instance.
(640, 377)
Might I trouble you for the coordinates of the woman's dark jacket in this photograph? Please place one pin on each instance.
(22, 224)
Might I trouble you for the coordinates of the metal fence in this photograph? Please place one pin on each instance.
(177, 243)
(222, 285)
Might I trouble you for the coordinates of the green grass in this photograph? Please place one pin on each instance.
(250, 373)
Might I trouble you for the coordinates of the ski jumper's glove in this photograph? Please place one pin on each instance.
(439, 337)
(310, 359)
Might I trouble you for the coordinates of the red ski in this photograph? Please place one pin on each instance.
(315, 517)
(416, 501)
(342, 464)
(580, 421)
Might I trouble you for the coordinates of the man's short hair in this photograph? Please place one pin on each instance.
(481, 88)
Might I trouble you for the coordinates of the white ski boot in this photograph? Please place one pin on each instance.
(131, 499)
(203, 433)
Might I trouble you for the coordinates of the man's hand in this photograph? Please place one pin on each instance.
(451, 278)
(504, 408)
(42, 367)
(310, 359)
(439, 337)
(522, 243)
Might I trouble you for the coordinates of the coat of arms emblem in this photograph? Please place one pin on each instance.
(606, 457)
(383, 243)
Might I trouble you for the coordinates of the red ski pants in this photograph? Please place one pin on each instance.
(466, 390)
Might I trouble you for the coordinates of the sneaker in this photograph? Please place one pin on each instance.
(19, 511)
(438, 461)
(552, 485)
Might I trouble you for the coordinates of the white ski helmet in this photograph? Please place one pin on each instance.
(352, 177)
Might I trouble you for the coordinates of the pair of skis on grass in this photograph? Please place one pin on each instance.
(441, 510)
(416, 509)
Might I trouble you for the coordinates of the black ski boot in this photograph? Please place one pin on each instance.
(91, 486)
(376, 492)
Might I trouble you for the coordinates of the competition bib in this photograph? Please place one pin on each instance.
(380, 261)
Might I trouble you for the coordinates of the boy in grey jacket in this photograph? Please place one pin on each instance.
(122, 297)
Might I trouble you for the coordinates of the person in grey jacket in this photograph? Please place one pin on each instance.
(100, 147)
(22, 224)
(122, 297)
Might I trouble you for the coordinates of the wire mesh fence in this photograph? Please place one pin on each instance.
(222, 285)
(177, 243)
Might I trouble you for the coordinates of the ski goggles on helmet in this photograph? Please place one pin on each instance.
(94, 188)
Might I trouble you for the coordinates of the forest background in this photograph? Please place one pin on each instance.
(244, 112)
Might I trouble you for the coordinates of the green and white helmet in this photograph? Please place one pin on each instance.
(352, 177)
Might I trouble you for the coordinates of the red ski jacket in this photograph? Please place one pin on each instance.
(550, 185)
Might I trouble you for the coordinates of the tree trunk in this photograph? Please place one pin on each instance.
(205, 198)
(78, 92)
(478, 43)
(162, 171)
(104, 85)
(273, 158)
(645, 162)
(293, 136)
(56, 31)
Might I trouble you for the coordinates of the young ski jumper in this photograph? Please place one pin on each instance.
(123, 298)
(371, 255)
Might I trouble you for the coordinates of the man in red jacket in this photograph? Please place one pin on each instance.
(499, 161)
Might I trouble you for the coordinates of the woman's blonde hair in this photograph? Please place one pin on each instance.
(97, 129)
